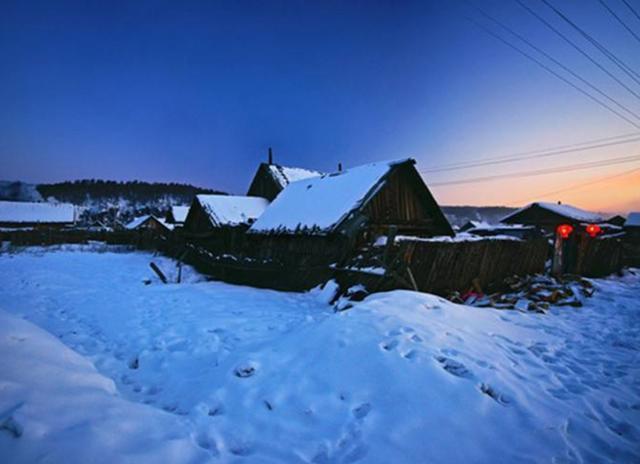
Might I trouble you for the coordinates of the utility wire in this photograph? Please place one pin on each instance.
(580, 50)
(577, 186)
(540, 172)
(521, 158)
(617, 61)
(551, 58)
(632, 10)
(619, 19)
(551, 71)
(540, 151)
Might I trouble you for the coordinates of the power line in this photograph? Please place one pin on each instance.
(580, 50)
(544, 150)
(632, 10)
(551, 58)
(549, 70)
(474, 164)
(540, 172)
(619, 19)
(578, 186)
(617, 61)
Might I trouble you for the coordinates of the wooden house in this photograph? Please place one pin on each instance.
(219, 222)
(177, 215)
(548, 216)
(17, 214)
(322, 220)
(149, 223)
(270, 179)
(368, 199)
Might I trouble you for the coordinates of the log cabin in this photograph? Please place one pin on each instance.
(324, 219)
(219, 222)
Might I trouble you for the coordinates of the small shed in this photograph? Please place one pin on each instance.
(270, 179)
(18, 214)
(549, 216)
(177, 215)
(149, 222)
(213, 212)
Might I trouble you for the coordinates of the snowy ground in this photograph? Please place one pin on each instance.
(205, 371)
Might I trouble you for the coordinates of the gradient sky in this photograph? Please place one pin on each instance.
(196, 92)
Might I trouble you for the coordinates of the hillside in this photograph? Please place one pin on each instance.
(106, 200)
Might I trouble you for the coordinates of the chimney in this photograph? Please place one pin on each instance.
(270, 156)
(339, 167)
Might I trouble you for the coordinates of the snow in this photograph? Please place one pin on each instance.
(54, 400)
(567, 211)
(205, 370)
(633, 220)
(230, 210)
(320, 204)
(285, 175)
(20, 212)
(179, 213)
(460, 237)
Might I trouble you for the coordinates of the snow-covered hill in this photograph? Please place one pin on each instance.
(205, 371)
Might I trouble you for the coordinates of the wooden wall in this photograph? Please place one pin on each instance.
(441, 267)
(406, 203)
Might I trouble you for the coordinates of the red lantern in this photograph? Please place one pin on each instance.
(564, 230)
(593, 230)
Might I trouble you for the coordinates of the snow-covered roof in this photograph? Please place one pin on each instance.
(27, 212)
(322, 203)
(633, 220)
(137, 222)
(231, 210)
(567, 211)
(285, 175)
(179, 213)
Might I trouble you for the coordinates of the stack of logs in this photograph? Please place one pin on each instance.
(536, 293)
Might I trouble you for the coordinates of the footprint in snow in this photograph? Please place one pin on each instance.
(245, 370)
(494, 394)
(454, 367)
(207, 443)
(362, 411)
(389, 345)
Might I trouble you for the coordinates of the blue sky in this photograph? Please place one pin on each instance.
(196, 91)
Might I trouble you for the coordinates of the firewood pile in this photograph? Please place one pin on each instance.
(535, 293)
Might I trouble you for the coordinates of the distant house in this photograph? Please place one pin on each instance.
(16, 214)
(366, 200)
(149, 222)
(270, 179)
(548, 216)
(616, 220)
(177, 215)
(214, 212)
